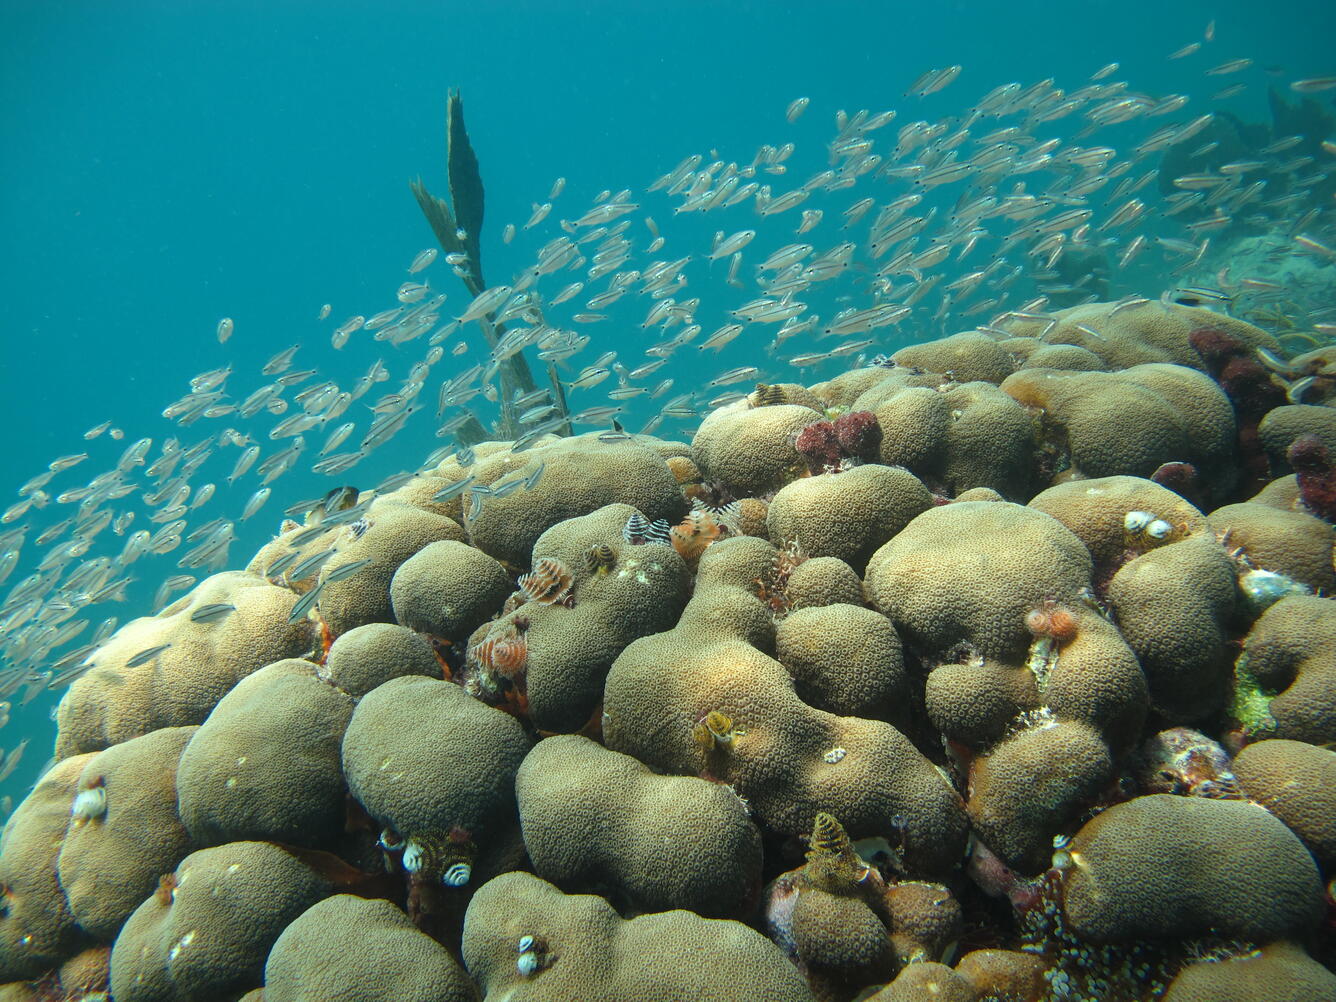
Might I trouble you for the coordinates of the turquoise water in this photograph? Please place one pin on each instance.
(170, 164)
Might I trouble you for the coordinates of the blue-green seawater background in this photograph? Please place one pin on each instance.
(166, 163)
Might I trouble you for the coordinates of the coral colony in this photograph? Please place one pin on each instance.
(998, 667)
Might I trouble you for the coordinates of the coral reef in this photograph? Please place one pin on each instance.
(978, 675)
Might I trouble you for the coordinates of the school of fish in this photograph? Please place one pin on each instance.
(901, 229)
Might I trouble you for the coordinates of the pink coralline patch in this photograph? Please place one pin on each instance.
(859, 435)
(851, 439)
(1181, 478)
(1316, 474)
(819, 446)
(1232, 364)
(1250, 388)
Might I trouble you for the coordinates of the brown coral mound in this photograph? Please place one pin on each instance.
(1031, 785)
(576, 947)
(579, 475)
(846, 515)
(447, 589)
(209, 930)
(569, 645)
(749, 449)
(1286, 675)
(114, 702)
(1165, 866)
(1099, 424)
(110, 861)
(788, 759)
(1296, 782)
(362, 951)
(1123, 336)
(1279, 972)
(265, 765)
(659, 842)
(968, 573)
(37, 928)
(424, 758)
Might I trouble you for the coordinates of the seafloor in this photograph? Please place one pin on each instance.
(799, 709)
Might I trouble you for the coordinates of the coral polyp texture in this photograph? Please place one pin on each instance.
(1003, 669)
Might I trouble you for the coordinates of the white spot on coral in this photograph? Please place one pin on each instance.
(1135, 521)
(231, 782)
(90, 803)
(834, 755)
(181, 944)
(528, 963)
(235, 867)
(241, 760)
(413, 856)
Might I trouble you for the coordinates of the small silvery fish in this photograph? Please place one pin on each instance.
(281, 564)
(531, 481)
(509, 487)
(423, 259)
(344, 571)
(280, 362)
(1298, 388)
(485, 302)
(539, 214)
(212, 612)
(734, 376)
(305, 604)
(537, 413)
(337, 438)
(412, 292)
(594, 415)
(812, 359)
(338, 499)
(255, 503)
(309, 566)
(145, 656)
(1313, 85)
(453, 491)
(1233, 66)
(65, 462)
(12, 760)
(73, 670)
(736, 242)
(721, 337)
(589, 377)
